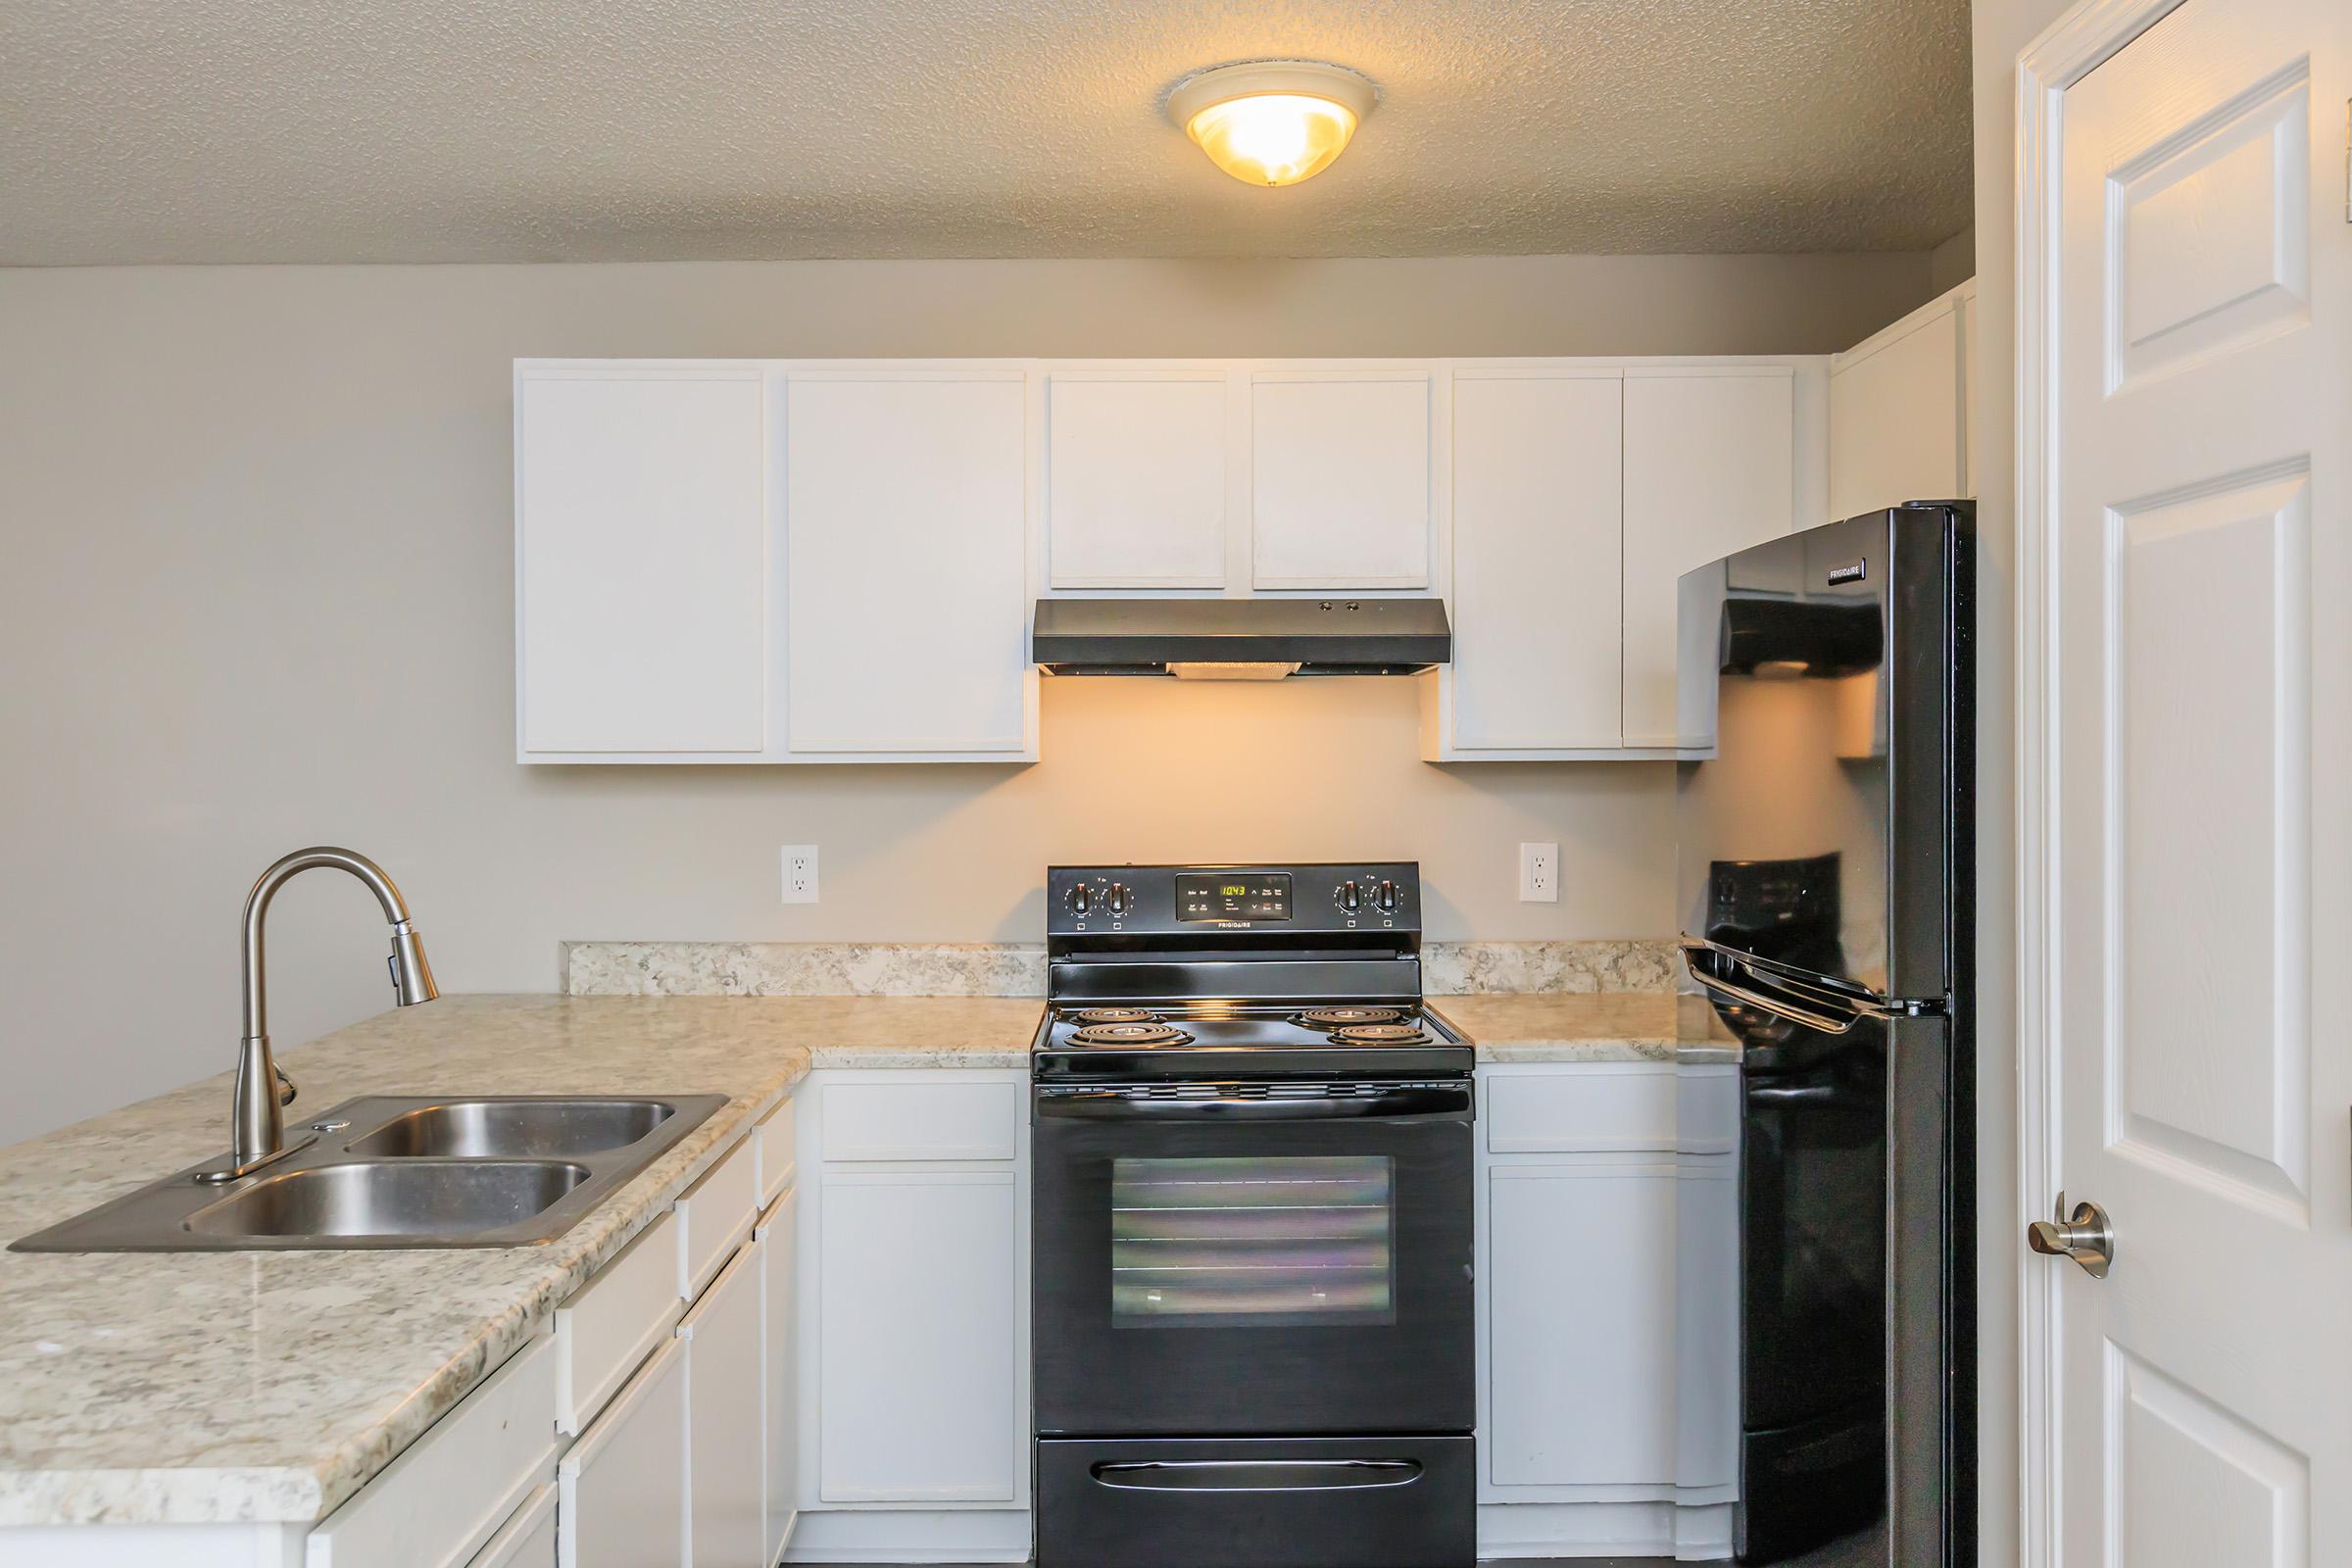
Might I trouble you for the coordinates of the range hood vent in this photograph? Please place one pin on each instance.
(1241, 639)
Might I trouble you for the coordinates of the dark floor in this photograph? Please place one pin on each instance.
(1511, 1562)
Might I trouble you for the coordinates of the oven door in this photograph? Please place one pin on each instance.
(1292, 1266)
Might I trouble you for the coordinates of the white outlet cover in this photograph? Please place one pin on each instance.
(800, 873)
(1539, 873)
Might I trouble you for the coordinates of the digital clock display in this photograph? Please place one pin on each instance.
(1228, 897)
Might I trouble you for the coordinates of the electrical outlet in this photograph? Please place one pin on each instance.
(1539, 873)
(800, 873)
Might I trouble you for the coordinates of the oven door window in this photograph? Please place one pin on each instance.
(1253, 1242)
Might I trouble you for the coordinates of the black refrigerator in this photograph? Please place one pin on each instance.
(1825, 889)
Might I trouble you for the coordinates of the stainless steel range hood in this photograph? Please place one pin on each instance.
(1241, 639)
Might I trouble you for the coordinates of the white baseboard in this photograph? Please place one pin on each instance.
(1688, 1534)
(910, 1536)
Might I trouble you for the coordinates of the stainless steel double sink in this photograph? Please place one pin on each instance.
(391, 1170)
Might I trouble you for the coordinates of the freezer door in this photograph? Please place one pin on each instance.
(1825, 679)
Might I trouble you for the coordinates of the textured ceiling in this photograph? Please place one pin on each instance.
(328, 130)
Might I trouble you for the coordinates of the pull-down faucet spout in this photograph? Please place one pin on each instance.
(257, 1126)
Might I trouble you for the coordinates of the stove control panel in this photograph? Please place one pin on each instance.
(1198, 901)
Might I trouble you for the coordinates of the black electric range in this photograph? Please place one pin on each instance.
(1252, 1225)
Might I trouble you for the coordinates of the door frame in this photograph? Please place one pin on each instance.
(2075, 46)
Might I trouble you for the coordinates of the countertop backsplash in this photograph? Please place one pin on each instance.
(988, 970)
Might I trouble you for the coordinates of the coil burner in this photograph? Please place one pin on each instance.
(1350, 1017)
(1090, 1015)
(1381, 1034)
(1152, 1033)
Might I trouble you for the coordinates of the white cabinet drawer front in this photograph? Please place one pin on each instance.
(1598, 1107)
(1582, 1291)
(621, 1490)
(616, 1321)
(714, 1214)
(937, 1119)
(641, 549)
(443, 1499)
(919, 1395)
(778, 1137)
(526, 1540)
(1136, 478)
(1339, 479)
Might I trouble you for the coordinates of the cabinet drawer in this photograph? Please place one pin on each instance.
(778, 1136)
(1580, 1107)
(528, 1540)
(616, 1321)
(443, 1499)
(928, 1120)
(714, 1214)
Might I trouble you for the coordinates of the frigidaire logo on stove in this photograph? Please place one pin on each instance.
(1850, 571)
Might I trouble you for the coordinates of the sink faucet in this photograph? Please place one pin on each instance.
(257, 1134)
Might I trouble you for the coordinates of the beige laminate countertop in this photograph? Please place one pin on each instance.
(166, 1388)
(1550, 1026)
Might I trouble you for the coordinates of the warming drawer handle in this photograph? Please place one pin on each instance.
(1395, 1105)
(1244, 1475)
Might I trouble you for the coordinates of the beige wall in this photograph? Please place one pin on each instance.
(1954, 261)
(2003, 28)
(258, 595)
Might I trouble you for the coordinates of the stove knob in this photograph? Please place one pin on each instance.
(1119, 899)
(1080, 900)
(1388, 896)
(1352, 897)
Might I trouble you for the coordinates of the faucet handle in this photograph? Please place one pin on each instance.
(285, 1085)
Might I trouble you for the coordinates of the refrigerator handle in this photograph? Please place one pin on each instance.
(1707, 962)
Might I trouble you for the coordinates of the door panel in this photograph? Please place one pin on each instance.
(1135, 479)
(1339, 479)
(908, 583)
(2199, 694)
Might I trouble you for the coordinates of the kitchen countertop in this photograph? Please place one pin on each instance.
(1551, 1026)
(168, 1388)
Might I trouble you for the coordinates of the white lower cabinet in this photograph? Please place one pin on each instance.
(1583, 1330)
(1608, 1301)
(726, 1470)
(622, 1487)
(916, 1281)
(779, 1238)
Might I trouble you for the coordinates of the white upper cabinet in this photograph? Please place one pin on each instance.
(1537, 593)
(1340, 478)
(1899, 413)
(1710, 467)
(641, 580)
(1136, 477)
(906, 599)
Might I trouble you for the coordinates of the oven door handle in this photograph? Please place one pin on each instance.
(1448, 1103)
(1256, 1475)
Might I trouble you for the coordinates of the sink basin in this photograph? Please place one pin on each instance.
(420, 1197)
(403, 1170)
(518, 1128)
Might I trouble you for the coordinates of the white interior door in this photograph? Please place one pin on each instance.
(2194, 751)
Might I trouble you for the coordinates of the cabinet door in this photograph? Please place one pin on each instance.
(1135, 479)
(1538, 538)
(621, 1490)
(1338, 478)
(640, 561)
(1897, 424)
(1709, 468)
(907, 563)
(726, 1523)
(917, 1356)
(780, 1360)
(1582, 1306)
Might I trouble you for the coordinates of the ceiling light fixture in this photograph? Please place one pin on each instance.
(1273, 122)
